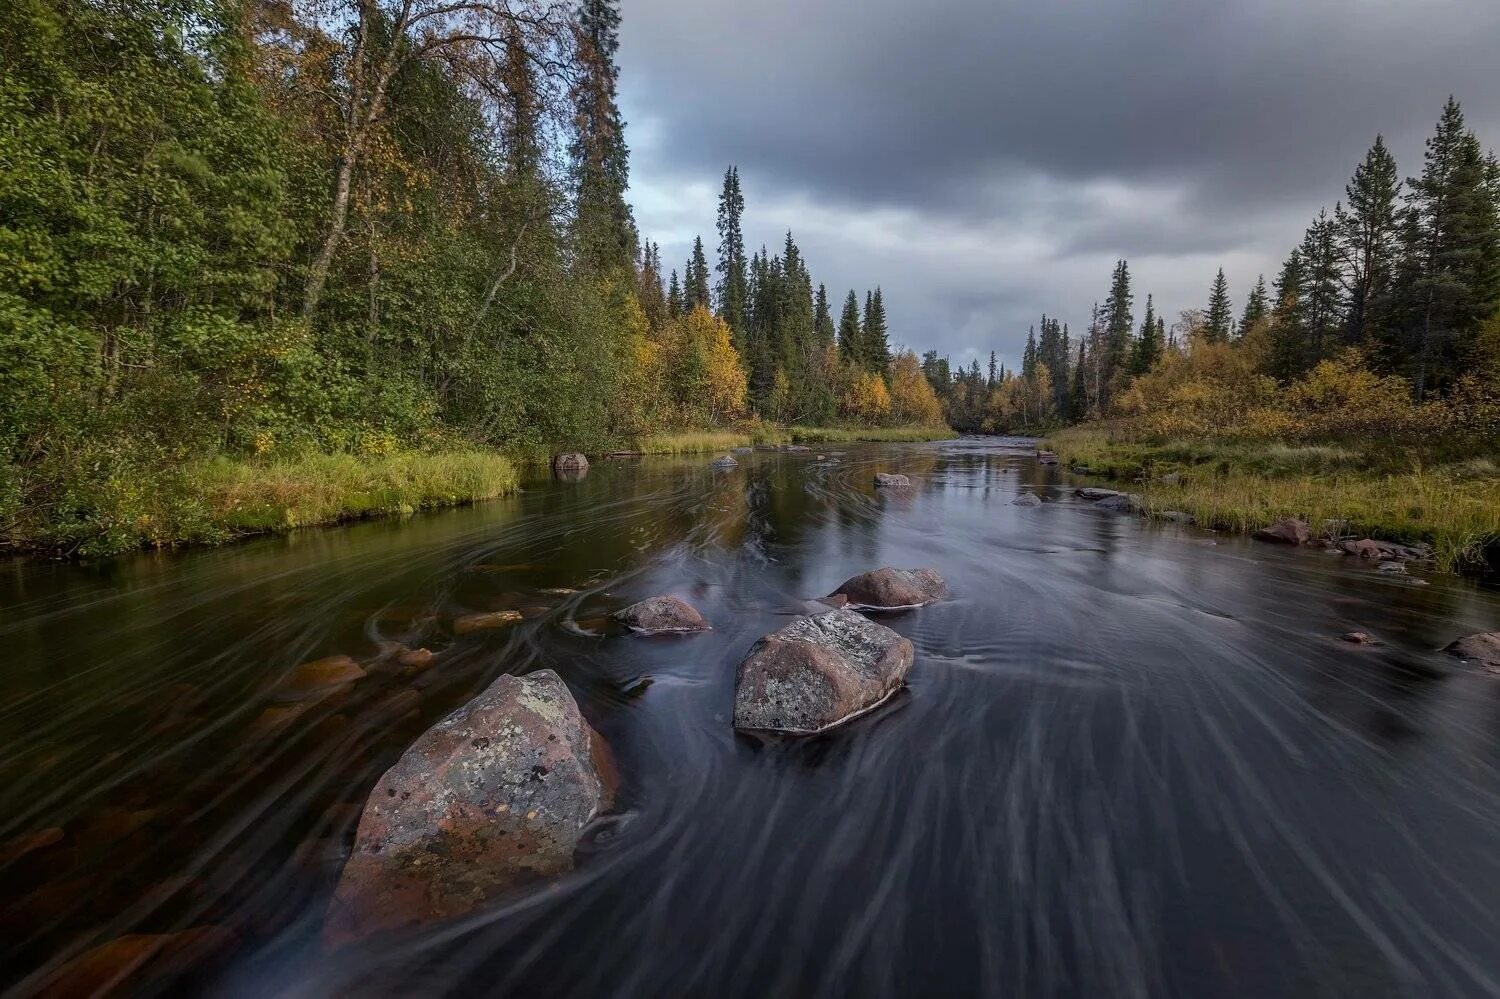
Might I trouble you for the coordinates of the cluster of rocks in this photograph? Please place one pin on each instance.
(498, 795)
(1293, 531)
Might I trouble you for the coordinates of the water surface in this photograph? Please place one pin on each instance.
(1133, 759)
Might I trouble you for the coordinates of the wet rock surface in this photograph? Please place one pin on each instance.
(318, 679)
(662, 615)
(891, 480)
(1027, 499)
(571, 465)
(486, 621)
(888, 588)
(1286, 532)
(818, 672)
(1483, 648)
(492, 798)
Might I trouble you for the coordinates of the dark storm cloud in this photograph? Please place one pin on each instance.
(1178, 131)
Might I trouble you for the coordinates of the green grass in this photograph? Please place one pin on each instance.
(1242, 487)
(701, 442)
(132, 507)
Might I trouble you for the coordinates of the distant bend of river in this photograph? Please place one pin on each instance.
(1133, 759)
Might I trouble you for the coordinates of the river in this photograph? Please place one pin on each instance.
(1133, 759)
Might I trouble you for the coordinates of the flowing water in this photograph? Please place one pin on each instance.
(1133, 759)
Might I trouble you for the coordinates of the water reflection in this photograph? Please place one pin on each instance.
(1133, 759)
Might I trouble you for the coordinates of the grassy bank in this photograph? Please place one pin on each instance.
(1241, 487)
(220, 500)
(703, 442)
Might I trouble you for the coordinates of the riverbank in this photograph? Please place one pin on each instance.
(224, 499)
(705, 442)
(1242, 487)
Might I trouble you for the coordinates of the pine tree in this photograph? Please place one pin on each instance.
(1028, 357)
(695, 282)
(606, 234)
(1255, 306)
(732, 284)
(850, 341)
(1218, 321)
(1367, 234)
(823, 329)
(1078, 396)
(877, 347)
(648, 287)
(990, 381)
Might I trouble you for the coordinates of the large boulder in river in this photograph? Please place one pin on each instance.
(1027, 499)
(818, 672)
(1484, 648)
(889, 588)
(570, 466)
(492, 798)
(1286, 532)
(891, 480)
(662, 615)
(1120, 502)
(1093, 494)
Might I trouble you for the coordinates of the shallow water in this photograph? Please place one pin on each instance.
(1133, 759)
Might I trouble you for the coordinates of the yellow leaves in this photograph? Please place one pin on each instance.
(703, 369)
(866, 398)
(911, 397)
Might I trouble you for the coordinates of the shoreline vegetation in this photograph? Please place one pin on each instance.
(1241, 487)
(268, 266)
(222, 500)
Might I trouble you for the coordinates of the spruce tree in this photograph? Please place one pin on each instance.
(1255, 306)
(823, 327)
(850, 346)
(1367, 234)
(1147, 347)
(1447, 282)
(605, 234)
(1028, 357)
(990, 381)
(1117, 321)
(732, 284)
(674, 297)
(1078, 396)
(695, 287)
(1285, 359)
(1218, 321)
(876, 347)
(1322, 290)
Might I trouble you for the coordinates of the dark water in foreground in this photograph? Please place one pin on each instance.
(1133, 759)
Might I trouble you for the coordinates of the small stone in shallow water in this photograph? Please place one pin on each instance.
(725, 462)
(891, 480)
(1286, 532)
(662, 615)
(1027, 499)
(1357, 638)
(483, 622)
(1483, 648)
(318, 679)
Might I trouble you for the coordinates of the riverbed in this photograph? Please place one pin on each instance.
(1133, 758)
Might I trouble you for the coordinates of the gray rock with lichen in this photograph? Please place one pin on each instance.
(818, 672)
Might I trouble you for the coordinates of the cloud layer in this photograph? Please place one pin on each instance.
(987, 160)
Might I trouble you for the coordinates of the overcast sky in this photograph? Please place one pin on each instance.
(985, 161)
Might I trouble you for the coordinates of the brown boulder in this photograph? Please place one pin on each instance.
(492, 798)
(1364, 548)
(1286, 532)
(1046, 458)
(1357, 638)
(818, 672)
(1483, 648)
(662, 615)
(891, 480)
(892, 588)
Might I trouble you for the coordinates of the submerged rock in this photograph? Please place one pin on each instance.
(818, 672)
(1357, 638)
(492, 798)
(1483, 648)
(318, 679)
(1094, 494)
(1286, 532)
(888, 587)
(1120, 502)
(1046, 458)
(1027, 499)
(662, 615)
(890, 480)
(725, 462)
(1177, 517)
(1370, 548)
(485, 621)
(569, 465)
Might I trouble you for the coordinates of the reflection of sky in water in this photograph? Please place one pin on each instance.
(1132, 759)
